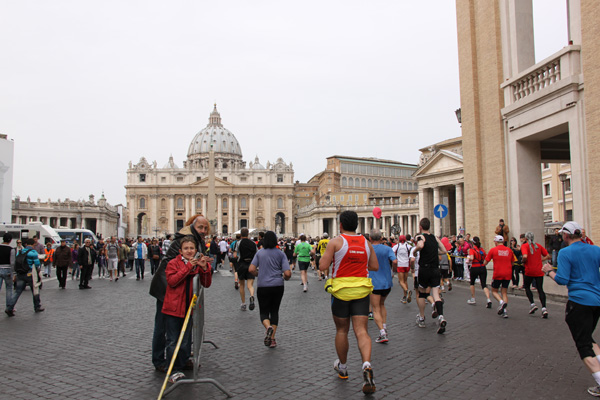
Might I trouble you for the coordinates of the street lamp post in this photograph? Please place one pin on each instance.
(563, 179)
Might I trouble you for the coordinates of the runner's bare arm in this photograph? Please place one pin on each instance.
(441, 247)
(373, 263)
(327, 259)
(420, 242)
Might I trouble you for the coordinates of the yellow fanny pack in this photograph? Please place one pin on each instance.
(349, 288)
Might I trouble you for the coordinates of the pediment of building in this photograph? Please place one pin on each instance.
(203, 183)
(442, 162)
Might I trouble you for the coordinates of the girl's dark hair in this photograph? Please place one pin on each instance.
(270, 240)
(476, 241)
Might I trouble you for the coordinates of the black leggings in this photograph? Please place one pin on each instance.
(539, 284)
(481, 273)
(516, 270)
(269, 300)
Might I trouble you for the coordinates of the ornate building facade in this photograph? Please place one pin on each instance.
(215, 181)
(359, 184)
(97, 216)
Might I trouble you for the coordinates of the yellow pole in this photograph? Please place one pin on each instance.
(185, 323)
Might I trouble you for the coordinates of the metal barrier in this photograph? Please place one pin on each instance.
(197, 310)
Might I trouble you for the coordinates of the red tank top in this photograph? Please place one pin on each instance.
(352, 259)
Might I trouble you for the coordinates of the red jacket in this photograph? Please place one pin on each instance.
(179, 274)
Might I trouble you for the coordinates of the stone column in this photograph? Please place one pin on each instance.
(319, 226)
(234, 211)
(230, 209)
(410, 225)
(270, 222)
(251, 223)
(437, 223)
(460, 214)
(154, 207)
(172, 225)
(204, 202)
(219, 213)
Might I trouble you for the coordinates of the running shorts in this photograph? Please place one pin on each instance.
(429, 277)
(346, 309)
(497, 283)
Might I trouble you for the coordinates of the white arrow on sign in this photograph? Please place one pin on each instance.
(440, 210)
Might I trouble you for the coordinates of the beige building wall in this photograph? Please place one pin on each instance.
(480, 71)
(590, 59)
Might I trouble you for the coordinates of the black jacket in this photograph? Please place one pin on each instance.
(158, 286)
(82, 256)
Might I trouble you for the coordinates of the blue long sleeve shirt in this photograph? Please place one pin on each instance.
(579, 270)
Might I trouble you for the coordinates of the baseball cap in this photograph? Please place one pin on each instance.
(325, 235)
(499, 238)
(572, 228)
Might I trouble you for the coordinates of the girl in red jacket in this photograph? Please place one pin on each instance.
(180, 272)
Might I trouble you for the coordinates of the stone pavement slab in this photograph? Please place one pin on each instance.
(96, 344)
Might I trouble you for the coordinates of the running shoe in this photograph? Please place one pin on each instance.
(471, 301)
(403, 301)
(504, 314)
(544, 313)
(489, 304)
(273, 343)
(501, 308)
(449, 286)
(369, 383)
(409, 297)
(434, 313)
(243, 307)
(176, 377)
(342, 373)
(594, 391)
(533, 309)
(370, 316)
(251, 307)
(442, 325)
(420, 322)
(305, 289)
(236, 285)
(382, 339)
(269, 336)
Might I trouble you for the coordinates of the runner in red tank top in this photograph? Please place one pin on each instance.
(353, 257)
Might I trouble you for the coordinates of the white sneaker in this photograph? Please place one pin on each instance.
(471, 301)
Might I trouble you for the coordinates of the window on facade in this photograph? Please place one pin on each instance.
(387, 185)
(568, 185)
(163, 179)
(355, 197)
(199, 203)
(280, 203)
(225, 178)
(259, 180)
(180, 203)
(369, 170)
(243, 202)
(344, 181)
(363, 169)
(198, 178)
(381, 184)
(545, 166)
(180, 179)
(415, 186)
(370, 183)
(394, 185)
(344, 167)
(363, 182)
(333, 199)
(376, 184)
(142, 177)
(341, 198)
(163, 203)
(547, 189)
(243, 179)
(279, 178)
(142, 203)
(403, 185)
(224, 203)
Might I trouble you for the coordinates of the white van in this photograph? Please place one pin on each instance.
(79, 235)
(45, 233)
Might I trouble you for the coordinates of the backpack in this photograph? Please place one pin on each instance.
(21, 264)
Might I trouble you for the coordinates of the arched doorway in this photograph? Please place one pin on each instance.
(142, 224)
(279, 223)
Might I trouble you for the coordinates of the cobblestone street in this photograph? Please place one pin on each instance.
(96, 344)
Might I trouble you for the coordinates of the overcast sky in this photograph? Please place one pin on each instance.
(87, 86)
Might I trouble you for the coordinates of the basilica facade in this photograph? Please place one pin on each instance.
(214, 181)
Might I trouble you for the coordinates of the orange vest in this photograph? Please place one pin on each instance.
(49, 255)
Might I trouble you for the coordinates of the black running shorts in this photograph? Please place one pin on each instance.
(346, 309)
(242, 271)
(497, 283)
(429, 277)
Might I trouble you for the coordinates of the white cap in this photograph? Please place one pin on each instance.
(499, 239)
(325, 235)
(571, 228)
